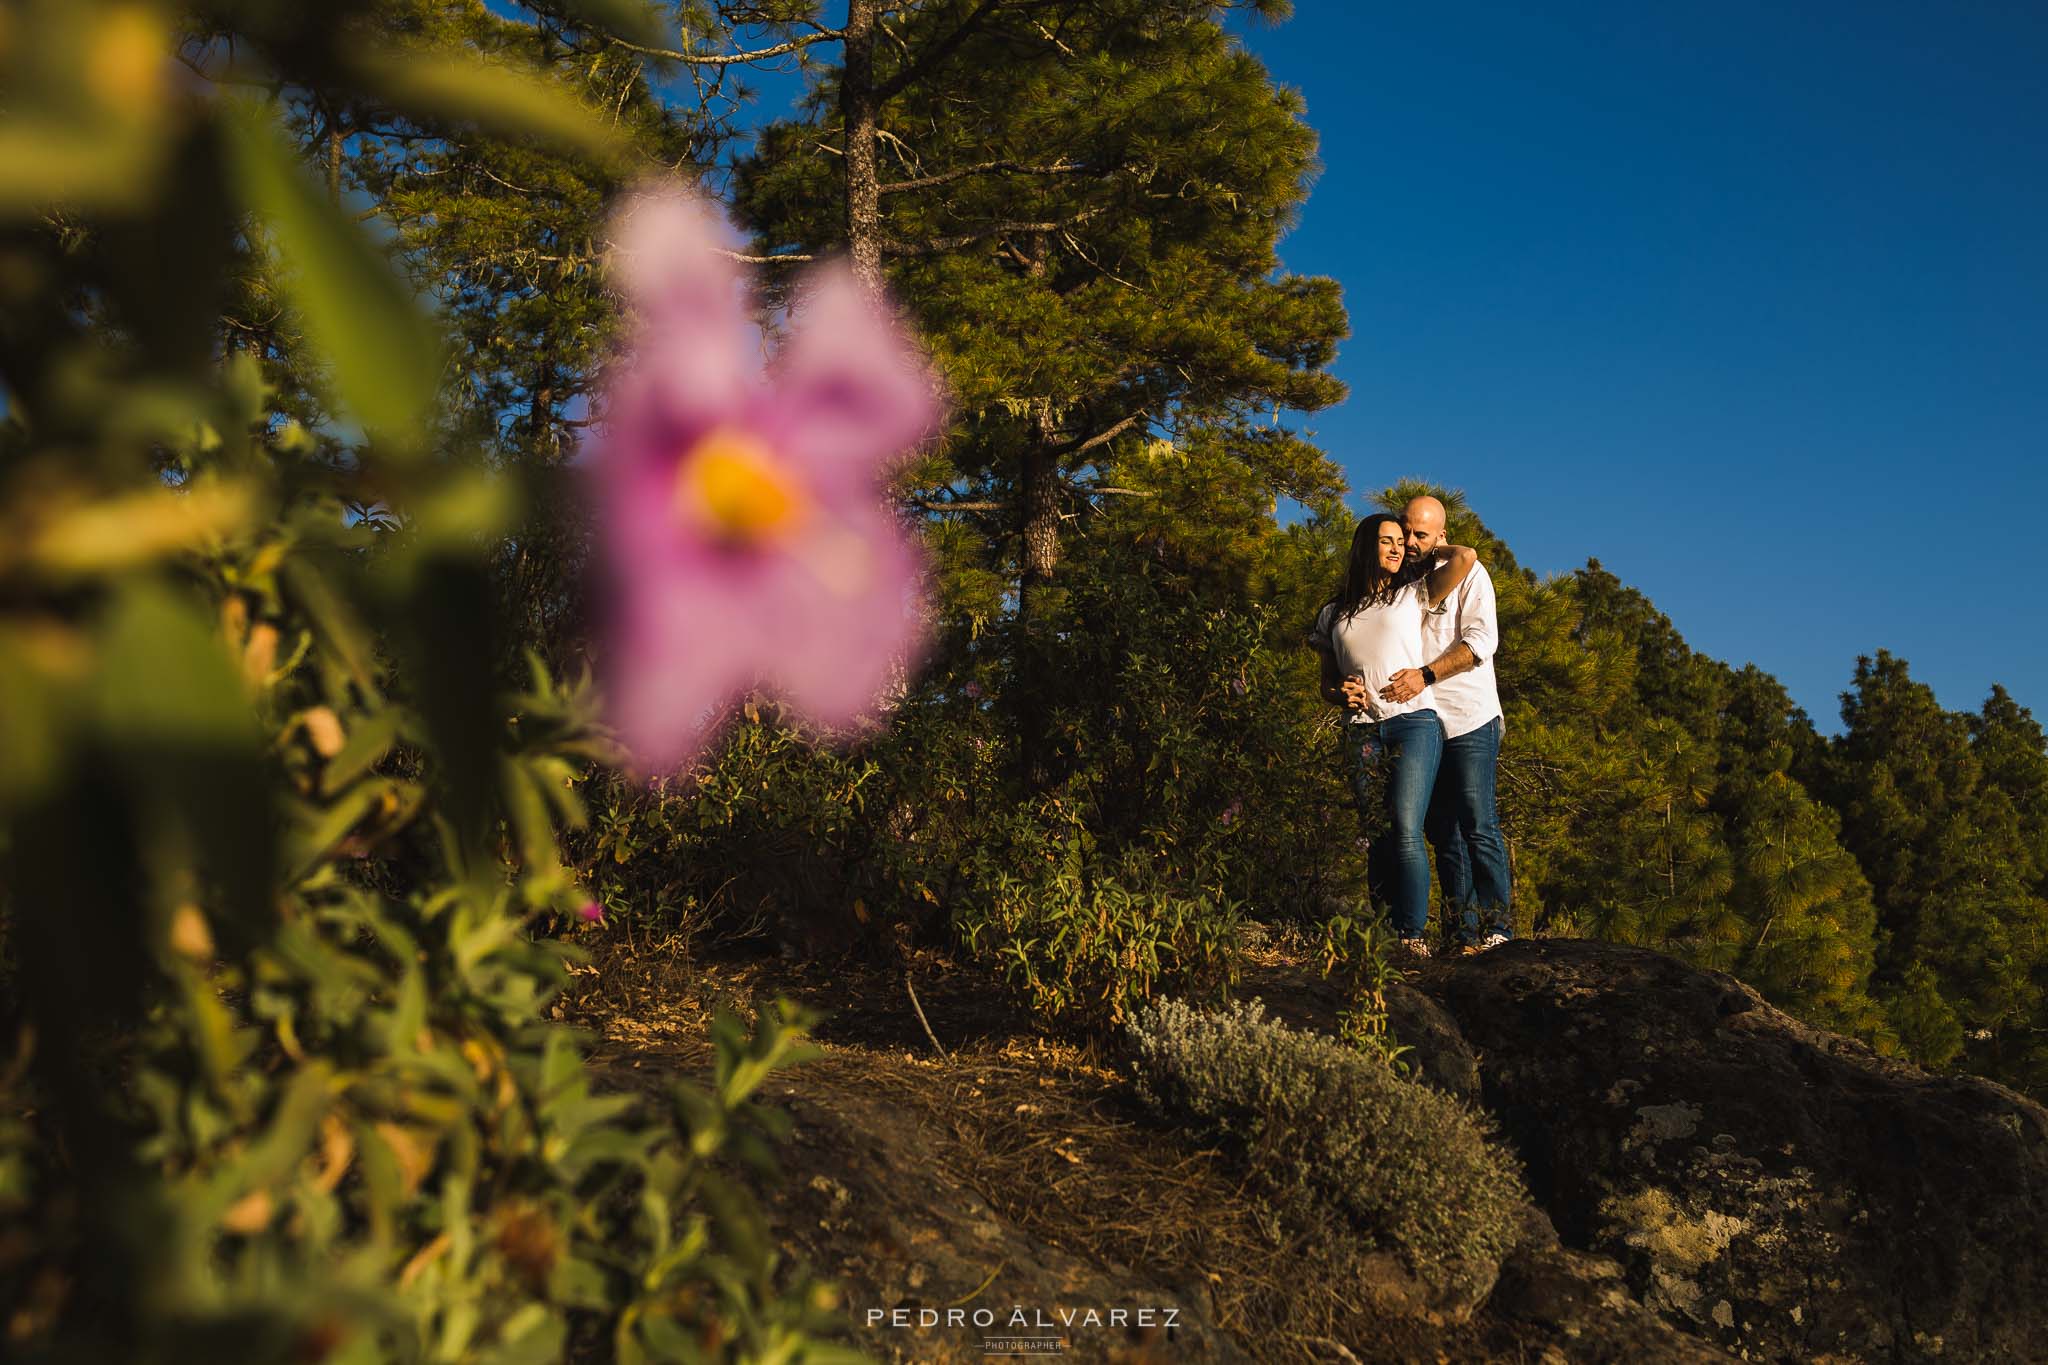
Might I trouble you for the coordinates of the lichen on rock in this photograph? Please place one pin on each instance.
(1773, 1188)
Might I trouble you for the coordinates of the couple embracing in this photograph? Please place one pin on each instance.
(1407, 646)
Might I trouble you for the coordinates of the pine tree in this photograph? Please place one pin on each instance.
(1555, 689)
(1808, 915)
(1948, 855)
(1763, 730)
(1925, 1023)
(2013, 754)
(1081, 208)
(1701, 840)
(507, 236)
(1671, 681)
(1899, 775)
(1666, 867)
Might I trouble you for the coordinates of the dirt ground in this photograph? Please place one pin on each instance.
(980, 1178)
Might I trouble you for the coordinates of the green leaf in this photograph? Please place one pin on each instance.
(182, 730)
(327, 826)
(370, 741)
(561, 1066)
(408, 1015)
(496, 98)
(527, 807)
(385, 357)
(219, 1045)
(632, 20)
(51, 162)
(533, 1335)
(280, 1149)
(165, 679)
(35, 721)
(578, 1283)
(336, 623)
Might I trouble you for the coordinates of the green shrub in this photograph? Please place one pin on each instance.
(1187, 727)
(1191, 784)
(1357, 949)
(1321, 1126)
(274, 834)
(282, 1076)
(1082, 937)
(766, 827)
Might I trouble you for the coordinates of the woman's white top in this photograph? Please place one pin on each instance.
(1376, 642)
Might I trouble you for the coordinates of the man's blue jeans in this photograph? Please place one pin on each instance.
(1471, 855)
(1393, 770)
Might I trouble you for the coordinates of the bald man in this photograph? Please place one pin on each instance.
(1460, 639)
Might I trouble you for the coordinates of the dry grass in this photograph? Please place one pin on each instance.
(1041, 1127)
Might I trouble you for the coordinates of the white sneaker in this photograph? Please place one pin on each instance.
(1492, 940)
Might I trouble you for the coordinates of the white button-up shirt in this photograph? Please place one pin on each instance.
(1472, 698)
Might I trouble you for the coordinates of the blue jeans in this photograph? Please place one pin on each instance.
(1471, 856)
(1393, 770)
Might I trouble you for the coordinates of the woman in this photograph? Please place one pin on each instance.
(1371, 630)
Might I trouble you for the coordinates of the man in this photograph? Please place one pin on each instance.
(1460, 639)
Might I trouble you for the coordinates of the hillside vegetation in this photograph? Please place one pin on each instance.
(310, 814)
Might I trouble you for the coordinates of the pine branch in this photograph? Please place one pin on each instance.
(933, 245)
(937, 53)
(1061, 167)
(1075, 447)
(930, 506)
(730, 58)
(1004, 505)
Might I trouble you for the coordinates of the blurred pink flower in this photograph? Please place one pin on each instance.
(590, 912)
(743, 508)
(1230, 812)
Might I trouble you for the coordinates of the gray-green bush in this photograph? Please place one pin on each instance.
(1324, 1128)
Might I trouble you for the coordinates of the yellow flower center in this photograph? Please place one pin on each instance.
(733, 486)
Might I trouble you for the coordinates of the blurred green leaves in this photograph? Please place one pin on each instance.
(386, 359)
(499, 98)
(634, 20)
(276, 826)
(172, 710)
(89, 109)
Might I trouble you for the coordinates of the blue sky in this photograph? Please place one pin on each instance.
(1748, 301)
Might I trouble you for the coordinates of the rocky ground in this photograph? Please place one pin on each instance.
(1709, 1178)
(1778, 1190)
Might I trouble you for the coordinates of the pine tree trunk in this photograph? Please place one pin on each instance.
(858, 111)
(334, 141)
(1038, 529)
(1038, 554)
(1039, 513)
(540, 408)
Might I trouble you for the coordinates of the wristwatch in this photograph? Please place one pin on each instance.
(1428, 676)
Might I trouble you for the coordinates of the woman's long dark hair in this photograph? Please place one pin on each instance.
(1366, 584)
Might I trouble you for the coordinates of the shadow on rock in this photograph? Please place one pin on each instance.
(1781, 1191)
